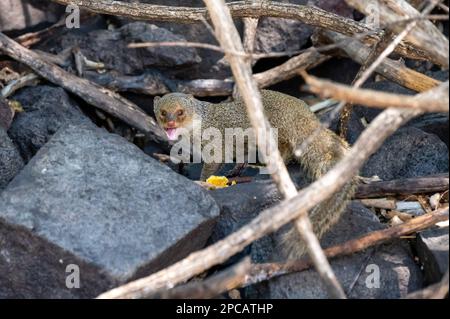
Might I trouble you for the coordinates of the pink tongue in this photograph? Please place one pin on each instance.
(172, 133)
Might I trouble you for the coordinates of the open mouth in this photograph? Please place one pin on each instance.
(172, 133)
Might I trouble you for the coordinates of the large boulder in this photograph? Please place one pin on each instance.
(92, 199)
(10, 161)
(394, 263)
(46, 109)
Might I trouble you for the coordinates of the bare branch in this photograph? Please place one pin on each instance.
(416, 185)
(390, 69)
(371, 98)
(306, 14)
(210, 287)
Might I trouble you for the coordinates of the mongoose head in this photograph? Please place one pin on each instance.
(175, 112)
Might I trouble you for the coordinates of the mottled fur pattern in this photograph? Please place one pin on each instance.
(295, 123)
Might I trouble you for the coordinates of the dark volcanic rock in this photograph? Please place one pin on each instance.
(92, 199)
(281, 35)
(433, 123)
(432, 249)
(408, 153)
(46, 109)
(111, 48)
(286, 35)
(241, 203)
(398, 274)
(10, 161)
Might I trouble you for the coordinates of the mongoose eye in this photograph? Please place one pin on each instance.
(180, 112)
(163, 113)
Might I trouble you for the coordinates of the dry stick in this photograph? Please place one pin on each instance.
(415, 185)
(372, 98)
(29, 39)
(15, 85)
(390, 69)
(275, 217)
(267, 271)
(229, 39)
(211, 287)
(93, 94)
(426, 37)
(307, 14)
(290, 68)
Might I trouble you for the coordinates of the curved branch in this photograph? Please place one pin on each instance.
(306, 14)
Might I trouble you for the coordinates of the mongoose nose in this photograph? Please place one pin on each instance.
(171, 124)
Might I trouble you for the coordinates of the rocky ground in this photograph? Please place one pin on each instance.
(79, 187)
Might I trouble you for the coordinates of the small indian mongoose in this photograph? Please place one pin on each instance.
(295, 123)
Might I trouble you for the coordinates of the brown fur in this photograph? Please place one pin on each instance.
(295, 122)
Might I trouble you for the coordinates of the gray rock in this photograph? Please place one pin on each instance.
(433, 123)
(241, 203)
(92, 199)
(281, 35)
(46, 109)
(408, 153)
(21, 14)
(111, 48)
(432, 249)
(286, 35)
(10, 161)
(399, 274)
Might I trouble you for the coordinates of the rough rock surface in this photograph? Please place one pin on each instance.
(281, 35)
(92, 199)
(46, 109)
(286, 35)
(241, 203)
(399, 274)
(408, 153)
(112, 48)
(10, 161)
(432, 249)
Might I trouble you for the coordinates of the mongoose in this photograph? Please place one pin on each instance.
(294, 121)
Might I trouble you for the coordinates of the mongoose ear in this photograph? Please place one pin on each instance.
(156, 100)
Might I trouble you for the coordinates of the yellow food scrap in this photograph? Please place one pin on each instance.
(219, 181)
